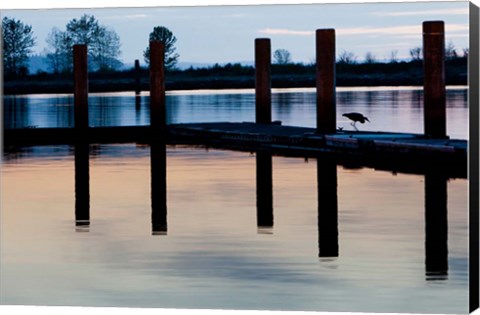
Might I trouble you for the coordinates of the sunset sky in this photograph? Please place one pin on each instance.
(210, 34)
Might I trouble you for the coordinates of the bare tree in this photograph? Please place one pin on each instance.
(18, 41)
(58, 54)
(282, 57)
(103, 45)
(347, 57)
(416, 54)
(105, 51)
(370, 58)
(394, 56)
(450, 52)
(465, 52)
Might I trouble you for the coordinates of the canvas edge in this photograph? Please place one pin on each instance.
(473, 83)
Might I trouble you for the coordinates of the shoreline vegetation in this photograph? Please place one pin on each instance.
(237, 76)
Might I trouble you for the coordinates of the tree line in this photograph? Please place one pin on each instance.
(103, 46)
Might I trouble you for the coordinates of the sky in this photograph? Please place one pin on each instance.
(210, 34)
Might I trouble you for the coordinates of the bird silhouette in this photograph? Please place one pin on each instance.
(356, 117)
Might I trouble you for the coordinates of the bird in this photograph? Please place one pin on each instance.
(356, 117)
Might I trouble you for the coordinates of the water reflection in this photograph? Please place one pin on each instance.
(82, 187)
(284, 101)
(365, 225)
(436, 227)
(327, 207)
(436, 243)
(138, 107)
(417, 99)
(370, 97)
(395, 97)
(158, 160)
(264, 192)
(158, 172)
(18, 115)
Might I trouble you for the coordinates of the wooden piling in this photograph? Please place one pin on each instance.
(434, 79)
(263, 97)
(80, 77)
(138, 87)
(326, 103)
(157, 85)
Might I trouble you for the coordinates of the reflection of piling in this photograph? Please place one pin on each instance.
(264, 190)
(80, 77)
(327, 208)
(326, 103)
(434, 79)
(158, 160)
(157, 85)
(138, 102)
(82, 191)
(138, 88)
(263, 97)
(436, 227)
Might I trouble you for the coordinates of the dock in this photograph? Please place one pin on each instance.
(396, 152)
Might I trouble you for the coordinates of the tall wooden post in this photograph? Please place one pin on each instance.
(138, 88)
(263, 97)
(326, 103)
(434, 79)
(157, 85)
(80, 77)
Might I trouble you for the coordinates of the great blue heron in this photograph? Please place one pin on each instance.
(356, 117)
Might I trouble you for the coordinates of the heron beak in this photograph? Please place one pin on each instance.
(367, 119)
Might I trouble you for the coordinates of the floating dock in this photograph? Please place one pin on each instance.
(402, 152)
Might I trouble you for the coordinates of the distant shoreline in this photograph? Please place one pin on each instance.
(238, 77)
(66, 87)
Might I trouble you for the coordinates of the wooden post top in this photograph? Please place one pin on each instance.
(79, 46)
(325, 30)
(433, 27)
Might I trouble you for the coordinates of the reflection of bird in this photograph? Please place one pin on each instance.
(356, 117)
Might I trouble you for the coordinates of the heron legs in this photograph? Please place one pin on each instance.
(353, 124)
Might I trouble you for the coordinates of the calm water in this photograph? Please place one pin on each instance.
(388, 109)
(241, 234)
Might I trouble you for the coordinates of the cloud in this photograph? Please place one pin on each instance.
(463, 11)
(404, 30)
(277, 31)
(393, 30)
(128, 17)
(136, 16)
